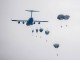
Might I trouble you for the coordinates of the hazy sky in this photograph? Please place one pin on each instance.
(18, 43)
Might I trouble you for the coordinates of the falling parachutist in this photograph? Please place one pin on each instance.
(66, 25)
(57, 54)
(61, 26)
(46, 40)
(40, 36)
(36, 36)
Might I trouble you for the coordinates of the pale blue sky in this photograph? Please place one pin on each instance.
(17, 42)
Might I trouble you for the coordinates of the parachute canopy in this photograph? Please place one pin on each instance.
(32, 31)
(36, 30)
(41, 30)
(66, 17)
(46, 32)
(61, 17)
(56, 45)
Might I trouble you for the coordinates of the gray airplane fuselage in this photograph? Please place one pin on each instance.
(30, 22)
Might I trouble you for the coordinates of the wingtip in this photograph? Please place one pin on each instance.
(14, 20)
(11, 19)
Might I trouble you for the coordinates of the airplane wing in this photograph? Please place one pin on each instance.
(23, 21)
(40, 21)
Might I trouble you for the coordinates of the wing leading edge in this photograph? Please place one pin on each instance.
(23, 21)
(40, 21)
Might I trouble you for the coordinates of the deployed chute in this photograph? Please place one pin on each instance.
(56, 45)
(47, 32)
(36, 30)
(41, 29)
(32, 31)
(63, 18)
(60, 17)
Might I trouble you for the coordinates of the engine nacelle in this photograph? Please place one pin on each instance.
(18, 22)
(34, 22)
(23, 22)
(38, 22)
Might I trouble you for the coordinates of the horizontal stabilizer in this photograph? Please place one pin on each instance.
(31, 10)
